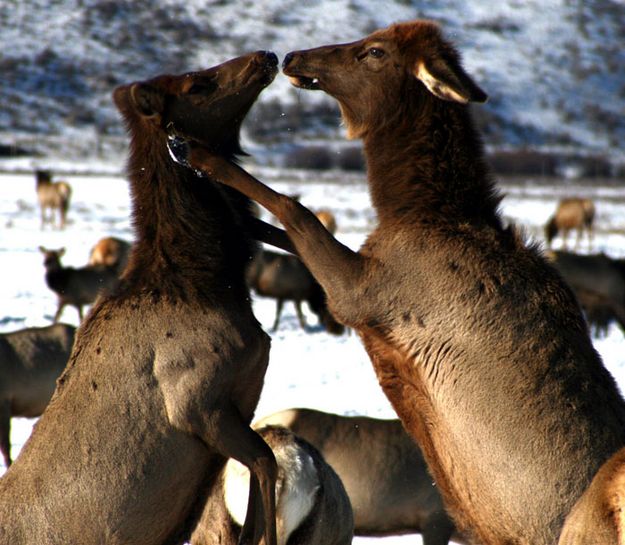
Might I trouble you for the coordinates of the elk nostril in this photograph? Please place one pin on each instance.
(271, 57)
(287, 60)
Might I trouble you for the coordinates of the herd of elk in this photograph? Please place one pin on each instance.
(383, 471)
(52, 196)
(571, 213)
(312, 507)
(31, 360)
(476, 340)
(167, 370)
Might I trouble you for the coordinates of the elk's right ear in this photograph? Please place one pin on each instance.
(449, 81)
(146, 99)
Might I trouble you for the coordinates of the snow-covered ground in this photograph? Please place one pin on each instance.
(311, 369)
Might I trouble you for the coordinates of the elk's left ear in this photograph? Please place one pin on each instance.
(449, 82)
(147, 99)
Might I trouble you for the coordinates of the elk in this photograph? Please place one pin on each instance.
(52, 196)
(598, 517)
(382, 469)
(166, 372)
(285, 278)
(111, 252)
(471, 333)
(76, 287)
(312, 507)
(31, 360)
(327, 219)
(571, 213)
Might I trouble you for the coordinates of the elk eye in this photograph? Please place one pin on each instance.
(376, 53)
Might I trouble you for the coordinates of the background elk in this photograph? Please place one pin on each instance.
(31, 360)
(598, 517)
(312, 507)
(599, 284)
(471, 333)
(382, 469)
(285, 278)
(76, 287)
(52, 196)
(572, 213)
(327, 219)
(111, 252)
(166, 372)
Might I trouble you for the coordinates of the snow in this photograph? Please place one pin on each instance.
(307, 369)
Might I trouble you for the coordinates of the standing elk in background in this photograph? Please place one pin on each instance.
(312, 507)
(598, 282)
(327, 219)
(571, 213)
(166, 372)
(111, 252)
(383, 471)
(31, 360)
(285, 278)
(52, 196)
(73, 286)
(478, 343)
(598, 517)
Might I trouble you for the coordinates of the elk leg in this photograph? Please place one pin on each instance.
(5, 432)
(237, 440)
(437, 530)
(59, 311)
(300, 315)
(279, 305)
(336, 267)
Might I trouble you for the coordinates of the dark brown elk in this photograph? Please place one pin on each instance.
(111, 252)
(165, 373)
(599, 284)
(285, 278)
(572, 213)
(75, 286)
(312, 507)
(477, 342)
(382, 469)
(52, 196)
(598, 517)
(31, 360)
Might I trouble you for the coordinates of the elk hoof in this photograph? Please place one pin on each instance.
(179, 151)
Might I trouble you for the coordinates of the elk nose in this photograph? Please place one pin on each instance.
(287, 60)
(270, 57)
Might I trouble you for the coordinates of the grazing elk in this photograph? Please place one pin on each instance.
(52, 196)
(598, 517)
(165, 373)
(571, 213)
(598, 281)
(285, 278)
(76, 287)
(382, 469)
(477, 342)
(31, 360)
(111, 252)
(312, 507)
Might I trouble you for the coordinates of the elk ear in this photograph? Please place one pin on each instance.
(449, 83)
(146, 99)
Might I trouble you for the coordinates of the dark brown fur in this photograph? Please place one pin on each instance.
(477, 342)
(572, 213)
(52, 196)
(166, 373)
(31, 360)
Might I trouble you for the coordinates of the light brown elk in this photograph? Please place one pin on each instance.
(52, 196)
(471, 333)
(382, 469)
(166, 372)
(572, 213)
(327, 219)
(312, 507)
(111, 252)
(31, 360)
(598, 517)
(75, 286)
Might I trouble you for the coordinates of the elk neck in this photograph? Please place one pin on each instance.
(188, 231)
(426, 164)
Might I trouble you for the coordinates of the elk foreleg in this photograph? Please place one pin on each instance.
(5, 431)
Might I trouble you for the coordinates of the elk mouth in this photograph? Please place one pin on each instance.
(304, 82)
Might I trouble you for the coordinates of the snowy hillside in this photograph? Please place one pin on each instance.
(554, 70)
